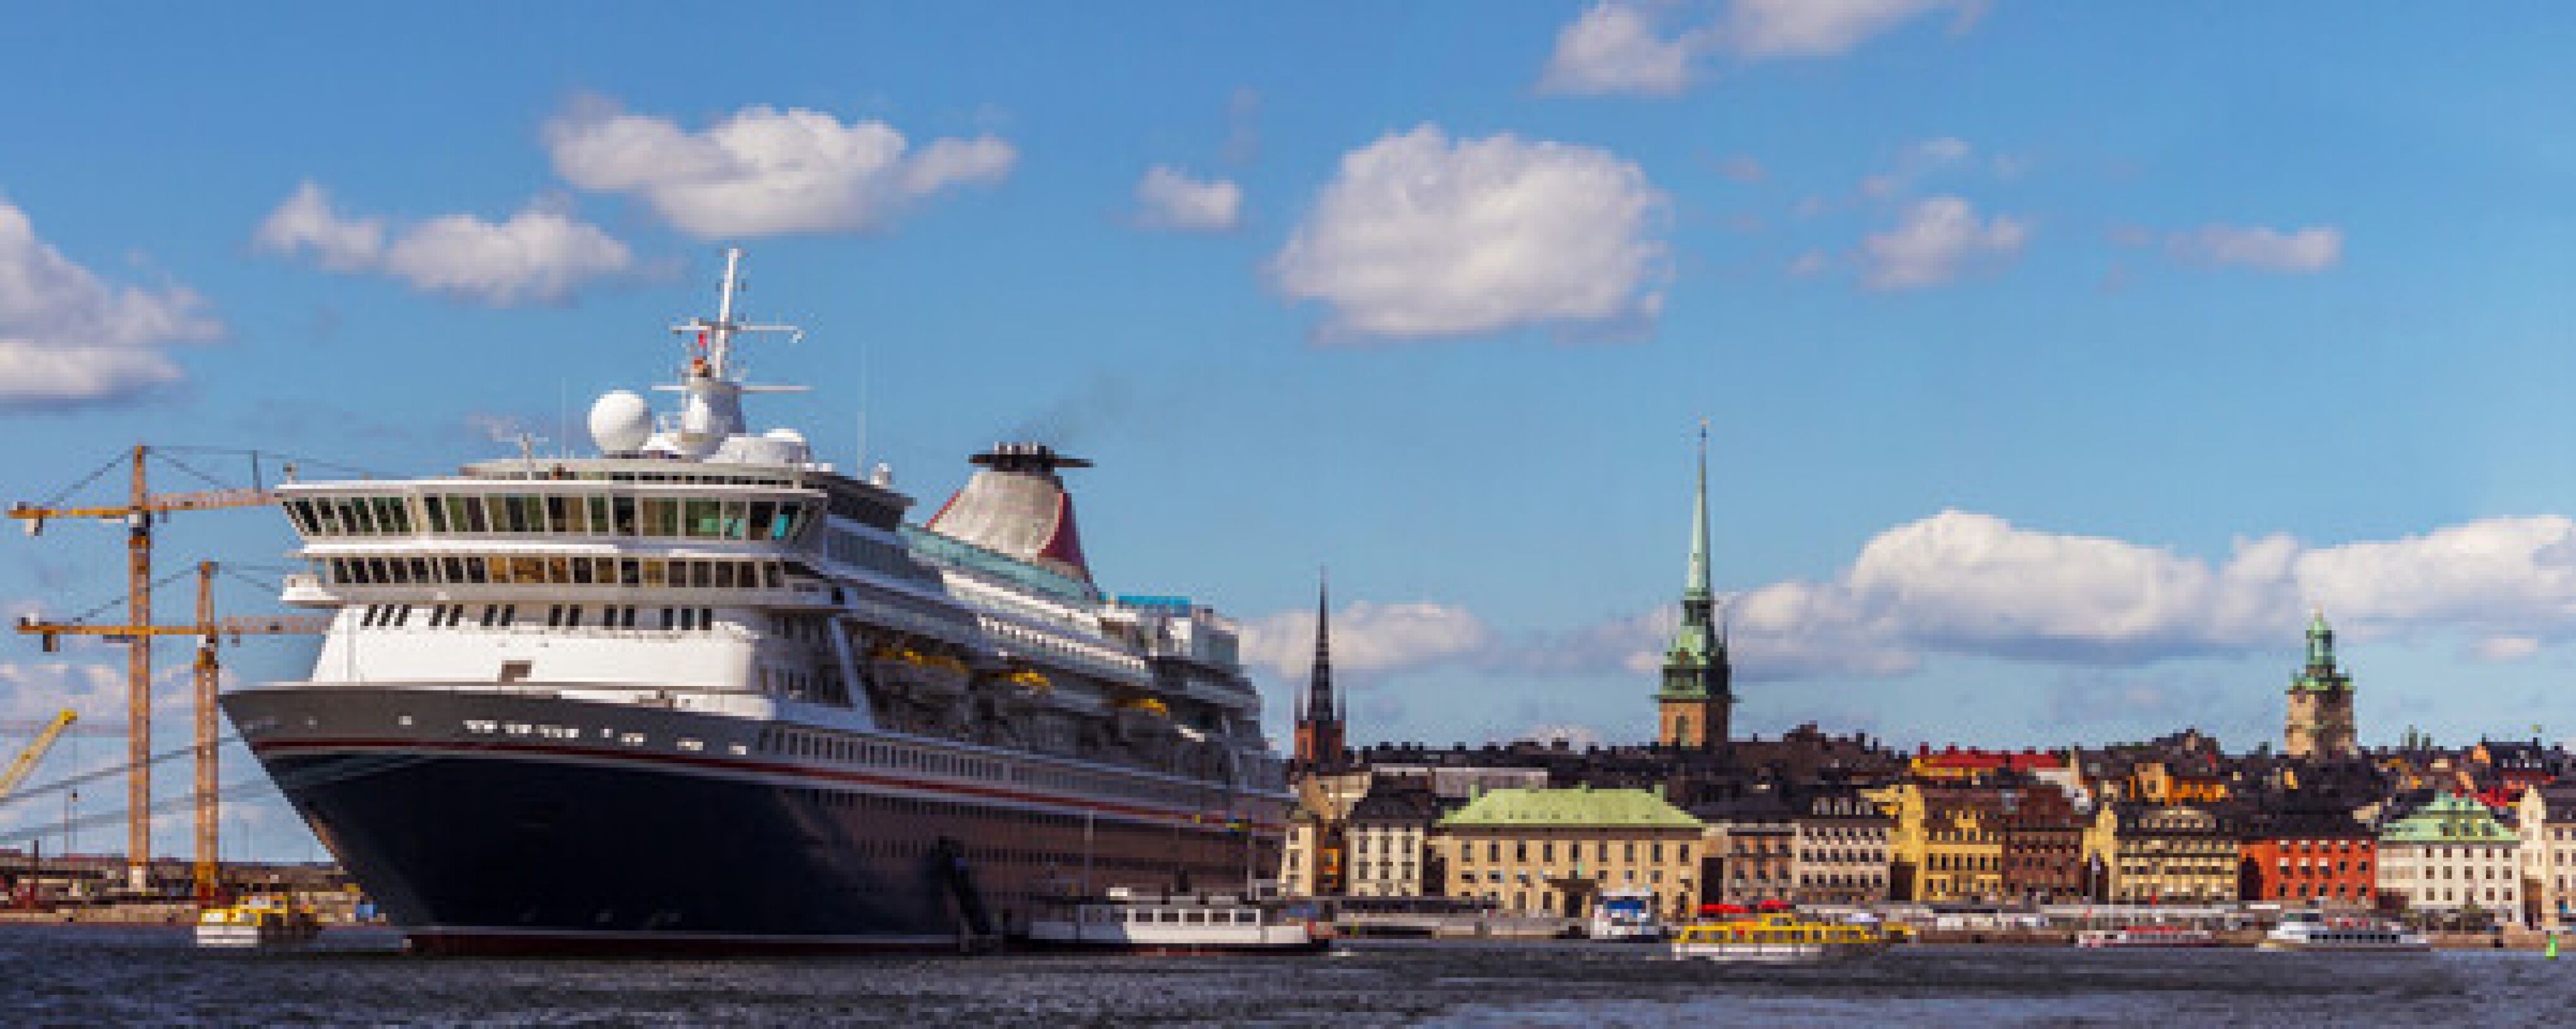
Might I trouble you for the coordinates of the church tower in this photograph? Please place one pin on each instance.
(1320, 745)
(1696, 697)
(2319, 723)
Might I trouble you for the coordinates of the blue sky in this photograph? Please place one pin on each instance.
(2056, 357)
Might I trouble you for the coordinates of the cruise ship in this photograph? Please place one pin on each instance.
(702, 692)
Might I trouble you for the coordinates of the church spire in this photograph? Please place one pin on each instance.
(1698, 584)
(1320, 741)
(1696, 693)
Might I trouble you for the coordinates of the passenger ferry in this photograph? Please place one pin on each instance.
(2310, 930)
(701, 691)
(1778, 938)
(2138, 937)
(256, 924)
(1134, 922)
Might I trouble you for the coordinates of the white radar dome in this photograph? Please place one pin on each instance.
(620, 422)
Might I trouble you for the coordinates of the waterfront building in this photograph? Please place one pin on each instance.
(2156, 853)
(1945, 842)
(2452, 857)
(2297, 852)
(1752, 850)
(1840, 850)
(1553, 851)
(1388, 831)
(2545, 820)
(1697, 697)
(2043, 847)
(2319, 720)
(1314, 857)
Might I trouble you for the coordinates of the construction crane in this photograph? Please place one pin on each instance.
(210, 632)
(26, 760)
(141, 509)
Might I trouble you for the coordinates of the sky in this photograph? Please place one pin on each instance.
(2056, 359)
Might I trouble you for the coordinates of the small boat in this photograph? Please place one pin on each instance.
(1778, 939)
(1625, 915)
(1134, 922)
(2145, 937)
(257, 924)
(2309, 930)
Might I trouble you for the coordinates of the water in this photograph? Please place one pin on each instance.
(90, 976)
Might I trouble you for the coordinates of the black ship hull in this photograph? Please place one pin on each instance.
(556, 846)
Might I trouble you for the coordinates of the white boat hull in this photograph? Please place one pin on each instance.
(1776, 953)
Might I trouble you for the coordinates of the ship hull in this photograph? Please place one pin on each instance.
(538, 844)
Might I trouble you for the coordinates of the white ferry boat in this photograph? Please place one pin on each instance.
(2145, 937)
(702, 691)
(1135, 922)
(2310, 930)
(1625, 915)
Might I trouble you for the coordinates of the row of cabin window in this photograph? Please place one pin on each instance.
(553, 514)
(461, 570)
(558, 616)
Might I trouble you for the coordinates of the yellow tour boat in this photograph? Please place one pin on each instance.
(1778, 938)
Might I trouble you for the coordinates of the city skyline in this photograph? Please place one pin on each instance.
(2057, 361)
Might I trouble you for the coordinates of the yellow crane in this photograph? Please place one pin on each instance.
(210, 632)
(26, 760)
(141, 509)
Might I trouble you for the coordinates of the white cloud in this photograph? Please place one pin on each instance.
(307, 222)
(1964, 584)
(68, 338)
(762, 171)
(1766, 29)
(2507, 648)
(539, 255)
(1420, 237)
(1367, 638)
(1937, 240)
(1168, 199)
(2305, 251)
(1616, 48)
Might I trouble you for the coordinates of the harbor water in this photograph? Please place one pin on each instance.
(94, 976)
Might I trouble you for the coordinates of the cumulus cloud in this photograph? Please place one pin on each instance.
(70, 339)
(764, 172)
(2301, 252)
(1617, 46)
(1368, 638)
(1764, 29)
(1937, 240)
(1419, 236)
(539, 255)
(1168, 199)
(1965, 584)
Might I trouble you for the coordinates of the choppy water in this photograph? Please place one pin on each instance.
(90, 976)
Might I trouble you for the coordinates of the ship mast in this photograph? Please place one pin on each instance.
(714, 408)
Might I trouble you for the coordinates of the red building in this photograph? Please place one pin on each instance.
(2310, 856)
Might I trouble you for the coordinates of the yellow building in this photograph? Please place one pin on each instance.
(1945, 843)
(1313, 859)
(1555, 851)
(2157, 853)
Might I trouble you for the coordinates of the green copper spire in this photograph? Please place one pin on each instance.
(2320, 675)
(1698, 584)
(2320, 640)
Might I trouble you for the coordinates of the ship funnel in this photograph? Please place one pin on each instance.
(1017, 505)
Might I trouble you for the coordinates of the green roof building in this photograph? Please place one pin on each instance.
(2452, 855)
(1557, 851)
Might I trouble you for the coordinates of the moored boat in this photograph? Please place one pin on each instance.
(1133, 922)
(256, 924)
(2309, 930)
(1625, 915)
(2145, 937)
(1778, 938)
